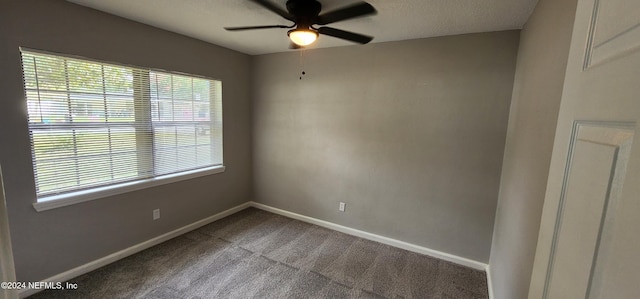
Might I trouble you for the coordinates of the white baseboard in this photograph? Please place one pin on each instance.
(489, 281)
(86, 268)
(377, 238)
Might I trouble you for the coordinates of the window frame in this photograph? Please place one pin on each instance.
(53, 201)
(70, 198)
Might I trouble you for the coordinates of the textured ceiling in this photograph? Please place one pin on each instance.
(396, 19)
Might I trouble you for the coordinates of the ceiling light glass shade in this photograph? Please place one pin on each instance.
(303, 37)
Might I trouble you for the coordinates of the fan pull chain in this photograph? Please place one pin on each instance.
(302, 63)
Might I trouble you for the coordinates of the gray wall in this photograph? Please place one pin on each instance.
(542, 60)
(409, 134)
(54, 241)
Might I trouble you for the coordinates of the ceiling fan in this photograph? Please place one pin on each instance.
(306, 13)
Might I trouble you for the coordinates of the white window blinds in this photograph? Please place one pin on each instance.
(95, 124)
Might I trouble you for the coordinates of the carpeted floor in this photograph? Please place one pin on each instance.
(257, 254)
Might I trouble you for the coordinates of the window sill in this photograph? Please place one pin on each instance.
(58, 201)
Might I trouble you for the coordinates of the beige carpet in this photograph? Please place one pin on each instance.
(257, 254)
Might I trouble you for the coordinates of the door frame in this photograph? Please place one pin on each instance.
(7, 267)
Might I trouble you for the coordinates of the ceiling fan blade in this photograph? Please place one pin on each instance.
(276, 9)
(256, 27)
(353, 11)
(350, 36)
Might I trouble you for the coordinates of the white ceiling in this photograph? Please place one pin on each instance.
(396, 19)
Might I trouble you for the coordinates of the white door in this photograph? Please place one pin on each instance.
(589, 241)
(7, 272)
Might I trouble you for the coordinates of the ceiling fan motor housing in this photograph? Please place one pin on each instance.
(305, 11)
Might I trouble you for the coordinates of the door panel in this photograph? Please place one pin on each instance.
(588, 243)
(615, 30)
(594, 179)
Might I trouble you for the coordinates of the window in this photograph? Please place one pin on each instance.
(95, 124)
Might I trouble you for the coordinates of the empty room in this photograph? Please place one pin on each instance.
(319, 149)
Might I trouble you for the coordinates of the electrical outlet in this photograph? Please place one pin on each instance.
(156, 214)
(342, 206)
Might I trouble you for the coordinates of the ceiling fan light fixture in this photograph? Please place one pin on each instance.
(303, 37)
